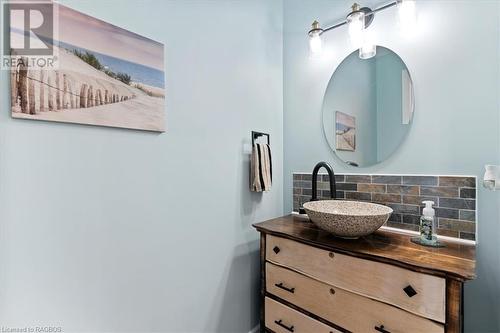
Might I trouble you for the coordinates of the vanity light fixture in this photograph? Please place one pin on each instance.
(368, 48)
(356, 24)
(358, 20)
(315, 42)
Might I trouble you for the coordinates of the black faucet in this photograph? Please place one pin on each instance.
(331, 175)
(333, 183)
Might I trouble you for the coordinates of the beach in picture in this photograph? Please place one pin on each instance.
(345, 131)
(106, 76)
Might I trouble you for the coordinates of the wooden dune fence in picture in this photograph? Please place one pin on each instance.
(35, 91)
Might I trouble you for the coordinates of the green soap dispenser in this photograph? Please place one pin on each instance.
(428, 227)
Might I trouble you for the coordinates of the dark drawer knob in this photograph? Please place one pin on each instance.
(410, 291)
(381, 329)
(288, 328)
(280, 285)
(276, 249)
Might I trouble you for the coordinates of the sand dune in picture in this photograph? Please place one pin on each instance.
(345, 140)
(141, 113)
(80, 93)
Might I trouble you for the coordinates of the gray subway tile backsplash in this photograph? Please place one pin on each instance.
(411, 219)
(385, 197)
(404, 209)
(420, 180)
(457, 225)
(417, 199)
(457, 181)
(467, 235)
(467, 215)
(306, 177)
(373, 188)
(458, 203)
(448, 213)
(338, 178)
(448, 233)
(404, 189)
(455, 198)
(439, 191)
(386, 179)
(358, 196)
(396, 217)
(302, 184)
(358, 179)
(466, 192)
(347, 186)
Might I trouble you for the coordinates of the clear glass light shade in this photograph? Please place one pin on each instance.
(368, 48)
(356, 24)
(407, 17)
(315, 45)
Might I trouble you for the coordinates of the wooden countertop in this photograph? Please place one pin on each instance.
(456, 260)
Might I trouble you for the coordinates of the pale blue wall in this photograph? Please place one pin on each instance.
(454, 65)
(115, 230)
(390, 128)
(109, 230)
(352, 91)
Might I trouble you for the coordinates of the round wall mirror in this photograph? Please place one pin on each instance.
(368, 107)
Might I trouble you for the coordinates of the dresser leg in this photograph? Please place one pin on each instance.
(454, 306)
(262, 282)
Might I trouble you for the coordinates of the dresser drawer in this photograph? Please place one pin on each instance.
(380, 281)
(346, 309)
(282, 319)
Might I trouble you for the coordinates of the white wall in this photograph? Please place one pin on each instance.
(109, 230)
(453, 61)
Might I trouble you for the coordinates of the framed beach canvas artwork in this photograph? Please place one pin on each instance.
(105, 76)
(345, 132)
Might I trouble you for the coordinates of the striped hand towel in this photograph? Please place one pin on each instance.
(261, 170)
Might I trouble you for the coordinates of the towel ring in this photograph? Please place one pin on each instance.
(256, 135)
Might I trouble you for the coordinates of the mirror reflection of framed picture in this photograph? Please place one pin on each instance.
(345, 131)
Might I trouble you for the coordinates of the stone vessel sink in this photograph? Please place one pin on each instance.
(347, 219)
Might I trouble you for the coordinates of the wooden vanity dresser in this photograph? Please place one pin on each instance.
(313, 282)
